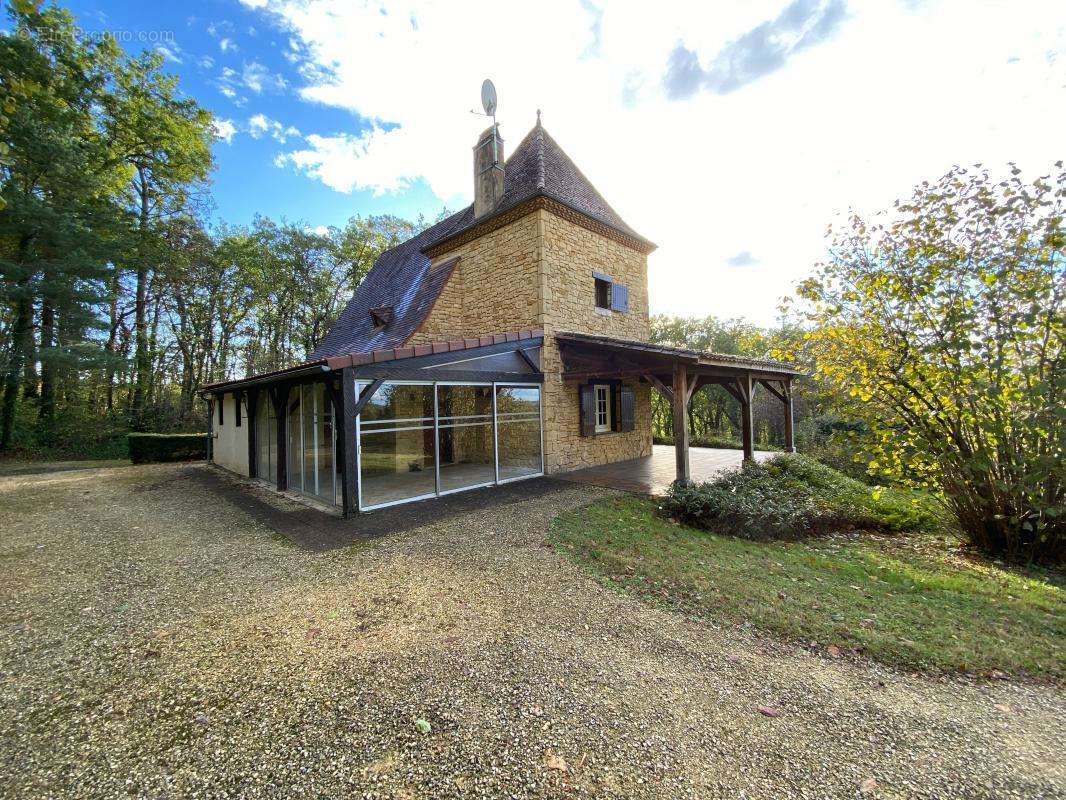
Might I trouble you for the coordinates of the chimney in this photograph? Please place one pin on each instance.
(488, 171)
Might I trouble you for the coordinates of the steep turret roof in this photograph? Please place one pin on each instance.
(401, 278)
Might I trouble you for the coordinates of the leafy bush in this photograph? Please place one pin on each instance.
(793, 496)
(148, 447)
(941, 326)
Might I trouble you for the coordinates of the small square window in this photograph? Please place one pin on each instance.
(603, 293)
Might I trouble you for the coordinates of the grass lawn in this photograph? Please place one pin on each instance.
(912, 601)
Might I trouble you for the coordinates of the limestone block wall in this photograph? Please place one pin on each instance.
(538, 272)
(493, 289)
(230, 446)
(571, 255)
(566, 449)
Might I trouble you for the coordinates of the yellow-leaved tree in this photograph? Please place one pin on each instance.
(941, 324)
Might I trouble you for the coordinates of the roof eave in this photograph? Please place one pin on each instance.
(463, 235)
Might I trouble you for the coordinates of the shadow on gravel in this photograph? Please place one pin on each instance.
(316, 530)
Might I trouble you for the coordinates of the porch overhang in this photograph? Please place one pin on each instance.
(678, 374)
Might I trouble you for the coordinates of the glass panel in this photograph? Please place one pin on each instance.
(396, 444)
(262, 438)
(294, 446)
(518, 429)
(324, 443)
(465, 433)
(310, 446)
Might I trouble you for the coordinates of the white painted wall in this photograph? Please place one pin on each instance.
(230, 446)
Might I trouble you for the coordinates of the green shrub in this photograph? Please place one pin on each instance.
(793, 496)
(147, 447)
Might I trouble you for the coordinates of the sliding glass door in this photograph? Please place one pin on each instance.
(465, 449)
(519, 448)
(420, 440)
(266, 440)
(311, 443)
(396, 445)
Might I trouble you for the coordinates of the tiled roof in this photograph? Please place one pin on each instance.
(696, 357)
(451, 346)
(324, 364)
(401, 278)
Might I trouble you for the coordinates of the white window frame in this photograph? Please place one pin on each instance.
(605, 389)
(361, 384)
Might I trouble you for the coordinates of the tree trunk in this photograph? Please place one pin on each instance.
(112, 340)
(21, 333)
(47, 411)
(142, 360)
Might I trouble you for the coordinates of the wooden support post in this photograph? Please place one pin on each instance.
(790, 436)
(746, 390)
(253, 434)
(347, 415)
(680, 404)
(280, 397)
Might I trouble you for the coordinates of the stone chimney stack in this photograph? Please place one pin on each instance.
(488, 171)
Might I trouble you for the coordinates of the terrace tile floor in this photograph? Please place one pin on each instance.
(653, 474)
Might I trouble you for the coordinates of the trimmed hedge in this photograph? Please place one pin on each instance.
(793, 496)
(148, 447)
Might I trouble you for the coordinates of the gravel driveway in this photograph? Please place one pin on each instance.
(156, 641)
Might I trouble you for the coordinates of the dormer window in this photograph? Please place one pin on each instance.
(381, 316)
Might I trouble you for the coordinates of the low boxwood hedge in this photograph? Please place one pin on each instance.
(148, 447)
(793, 496)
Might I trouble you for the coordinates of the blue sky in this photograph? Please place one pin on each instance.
(203, 39)
(730, 133)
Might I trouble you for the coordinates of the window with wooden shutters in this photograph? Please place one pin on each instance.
(627, 408)
(602, 284)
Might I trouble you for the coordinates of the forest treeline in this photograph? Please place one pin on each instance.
(118, 300)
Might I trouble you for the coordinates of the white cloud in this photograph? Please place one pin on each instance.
(810, 127)
(255, 74)
(224, 129)
(345, 162)
(227, 45)
(256, 77)
(170, 52)
(206, 62)
(260, 125)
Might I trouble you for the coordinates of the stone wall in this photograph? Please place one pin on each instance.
(230, 446)
(571, 255)
(538, 272)
(493, 289)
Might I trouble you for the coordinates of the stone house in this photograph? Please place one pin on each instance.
(508, 341)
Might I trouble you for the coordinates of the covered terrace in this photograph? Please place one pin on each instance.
(677, 374)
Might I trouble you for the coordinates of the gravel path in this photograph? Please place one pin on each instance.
(155, 641)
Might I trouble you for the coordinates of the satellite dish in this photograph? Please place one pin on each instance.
(488, 98)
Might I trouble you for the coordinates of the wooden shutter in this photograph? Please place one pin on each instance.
(627, 404)
(221, 400)
(619, 297)
(237, 409)
(588, 409)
